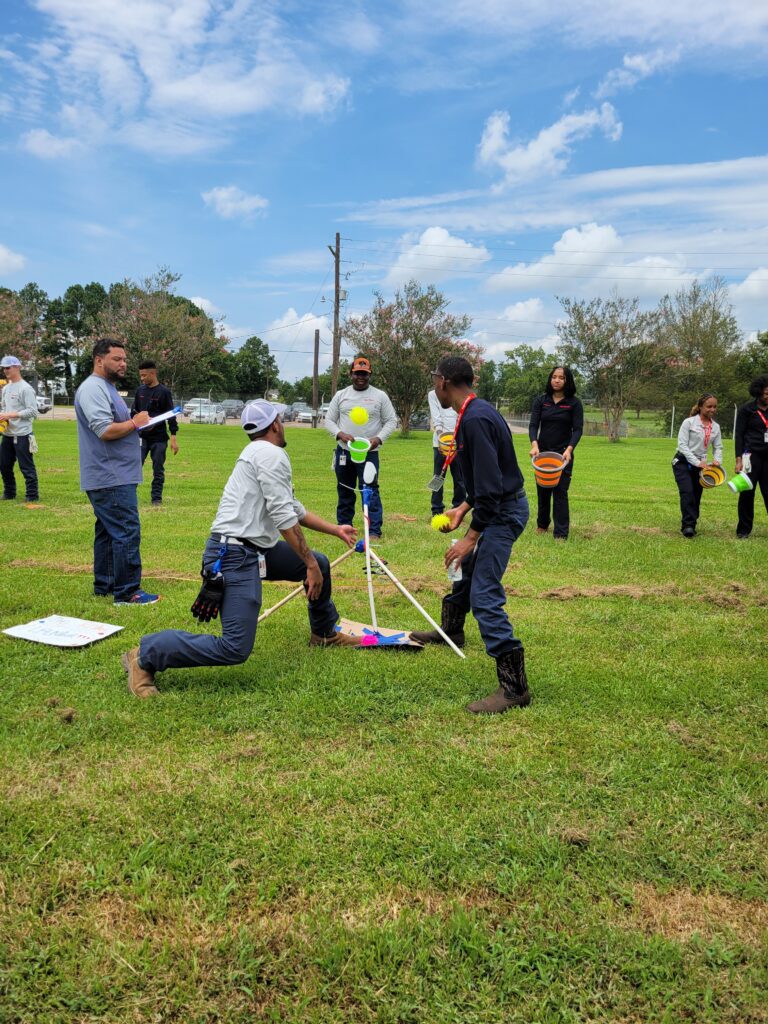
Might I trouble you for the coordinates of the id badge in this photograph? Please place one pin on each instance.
(765, 437)
(262, 567)
(342, 458)
(436, 483)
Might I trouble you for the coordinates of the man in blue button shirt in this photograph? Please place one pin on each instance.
(110, 472)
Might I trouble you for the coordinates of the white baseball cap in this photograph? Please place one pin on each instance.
(9, 361)
(258, 415)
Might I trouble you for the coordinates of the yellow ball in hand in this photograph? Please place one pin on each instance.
(359, 416)
(440, 521)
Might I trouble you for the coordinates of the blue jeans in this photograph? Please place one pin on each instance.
(459, 494)
(116, 542)
(481, 591)
(157, 450)
(239, 613)
(349, 476)
(13, 449)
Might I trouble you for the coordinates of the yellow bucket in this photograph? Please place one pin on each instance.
(548, 468)
(445, 444)
(712, 476)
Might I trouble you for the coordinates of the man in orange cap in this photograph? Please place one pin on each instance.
(381, 421)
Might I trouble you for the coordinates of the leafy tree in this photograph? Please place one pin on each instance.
(610, 342)
(404, 339)
(702, 340)
(12, 335)
(523, 375)
(488, 383)
(68, 326)
(157, 324)
(753, 360)
(255, 368)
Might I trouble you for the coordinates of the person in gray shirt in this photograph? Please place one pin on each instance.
(256, 534)
(18, 409)
(110, 472)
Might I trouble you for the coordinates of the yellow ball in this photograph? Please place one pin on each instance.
(359, 415)
(440, 521)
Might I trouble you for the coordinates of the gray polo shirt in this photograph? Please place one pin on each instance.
(19, 397)
(104, 463)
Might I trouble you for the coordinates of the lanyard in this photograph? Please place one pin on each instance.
(707, 428)
(760, 414)
(452, 453)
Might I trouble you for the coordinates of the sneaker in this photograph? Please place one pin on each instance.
(742, 536)
(689, 532)
(157, 501)
(141, 597)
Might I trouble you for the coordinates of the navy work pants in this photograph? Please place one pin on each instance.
(481, 591)
(349, 477)
(689, 486)
(176, 648)
(13, 449)
(759, 477)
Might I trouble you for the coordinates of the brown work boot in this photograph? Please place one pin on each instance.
(513, 690)
(334, 640)
(140, 682)
(452, 621)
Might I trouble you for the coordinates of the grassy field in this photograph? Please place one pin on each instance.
(324, 836)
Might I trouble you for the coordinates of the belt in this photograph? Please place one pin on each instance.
(220, 538)
(520, 494)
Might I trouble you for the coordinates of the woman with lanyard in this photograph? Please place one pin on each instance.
(693, 440)
(751, 441)
(556, 425)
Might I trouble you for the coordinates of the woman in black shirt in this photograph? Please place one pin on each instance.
(751, 437)
(557, 423)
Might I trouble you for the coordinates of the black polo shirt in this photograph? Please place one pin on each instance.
(749, 435)
(154, 401)
(556, 425)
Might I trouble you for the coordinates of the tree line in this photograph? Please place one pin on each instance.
(624, 357)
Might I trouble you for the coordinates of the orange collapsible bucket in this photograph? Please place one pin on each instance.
(548, 468)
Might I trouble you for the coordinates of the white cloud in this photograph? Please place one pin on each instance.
(39, 142)
(10, 262)
(206, 305)
(229, 201)
(592, 258)
(293, 331)
(548, 153)
(434, 256)
(635, 67)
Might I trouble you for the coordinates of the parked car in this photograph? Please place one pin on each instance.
(418, 422)
(192, 404)
(43, 404)
(233, 407)
(208, 412)
(304, 415)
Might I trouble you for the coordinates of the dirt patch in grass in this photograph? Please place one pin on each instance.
(646, 529)
(400, 517)
(681, 913)
(713, 596)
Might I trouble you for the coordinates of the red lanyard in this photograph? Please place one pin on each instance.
(765, 421)
(452, 453)
(707, 427)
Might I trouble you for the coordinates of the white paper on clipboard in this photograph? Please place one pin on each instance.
(161, 417)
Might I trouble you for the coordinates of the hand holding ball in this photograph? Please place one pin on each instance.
(440, 522)
(359, 416)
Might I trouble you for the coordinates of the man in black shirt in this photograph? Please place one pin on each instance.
(495, 495)
(751, 436)
(154, 398)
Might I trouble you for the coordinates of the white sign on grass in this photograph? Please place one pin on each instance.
(63, 631)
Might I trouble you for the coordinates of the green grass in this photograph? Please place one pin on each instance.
(328, 836)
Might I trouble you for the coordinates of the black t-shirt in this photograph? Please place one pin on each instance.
(154, 401)
(488, 464)
(556, 425)
(749, 435)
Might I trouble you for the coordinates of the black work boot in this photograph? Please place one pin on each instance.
(452, 621)
(513, 689)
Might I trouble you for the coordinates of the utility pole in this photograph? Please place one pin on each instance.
(336, 253)
(314, 378)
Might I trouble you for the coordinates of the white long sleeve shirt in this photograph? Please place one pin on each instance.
(19, 397)
(382, 418)
(258, 500)
(443, 420)
(690, 441)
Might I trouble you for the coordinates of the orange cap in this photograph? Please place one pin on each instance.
(361, 363)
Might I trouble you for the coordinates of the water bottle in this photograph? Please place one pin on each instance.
(454, 569)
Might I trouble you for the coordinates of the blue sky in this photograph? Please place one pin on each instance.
(507, 152)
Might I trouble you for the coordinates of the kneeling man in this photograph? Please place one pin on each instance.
(256, 509)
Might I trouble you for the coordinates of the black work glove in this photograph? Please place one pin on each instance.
(208, 601)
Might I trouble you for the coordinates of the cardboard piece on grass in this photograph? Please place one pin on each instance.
(63, 631)
(397, 639)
